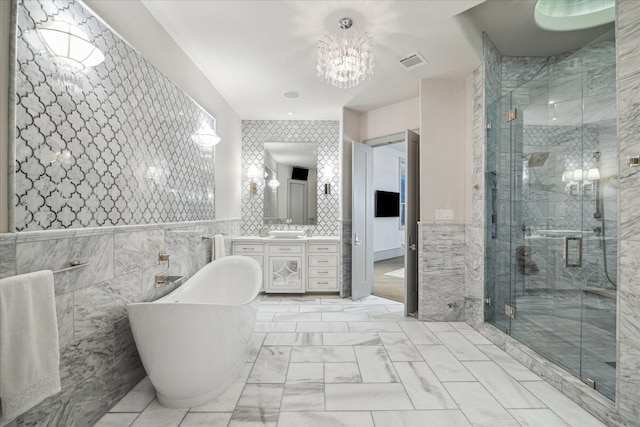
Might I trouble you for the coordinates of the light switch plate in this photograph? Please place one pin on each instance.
(444, 213)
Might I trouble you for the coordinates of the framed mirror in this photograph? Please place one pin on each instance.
(290, 183)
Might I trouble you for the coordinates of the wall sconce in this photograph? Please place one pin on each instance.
(328, 175)
(70, 43)
(206, 139)
(588, 177)
(274, 183)
(253, 174)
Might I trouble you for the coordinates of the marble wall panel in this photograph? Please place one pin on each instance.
(100, 305)
(64, 315)
(8, 257)
(136, 250)
(492, 71)
(628, 95)
(627, 32)
(441, 275)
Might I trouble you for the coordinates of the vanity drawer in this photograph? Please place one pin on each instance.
(318, 284)
(322, 272)
(319, 248)
(248, 248)
(323, 261)
(285, 249)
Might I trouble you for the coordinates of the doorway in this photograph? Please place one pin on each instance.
(389, 164)
(393, 201)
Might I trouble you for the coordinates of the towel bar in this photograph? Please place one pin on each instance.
(73, 266)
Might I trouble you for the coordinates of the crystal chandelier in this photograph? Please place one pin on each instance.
(344, 62)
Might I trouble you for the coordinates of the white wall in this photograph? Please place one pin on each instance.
(445, 148)
(390, 119)
(386, 177)
(135, 24)
(350, 131)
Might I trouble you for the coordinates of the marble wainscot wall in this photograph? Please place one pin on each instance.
(99, 361)
(441, 275)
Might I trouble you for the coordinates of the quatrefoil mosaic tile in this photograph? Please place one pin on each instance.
(326, 134)
(110, 145)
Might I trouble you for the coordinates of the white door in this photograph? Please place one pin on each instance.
(362, 222)
(412, 209)
(297, 203)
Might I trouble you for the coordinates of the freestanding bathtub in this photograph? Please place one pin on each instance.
(194, 341)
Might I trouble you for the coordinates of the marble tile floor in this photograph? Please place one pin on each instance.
(322, 361)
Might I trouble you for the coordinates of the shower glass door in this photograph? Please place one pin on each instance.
(551, 192)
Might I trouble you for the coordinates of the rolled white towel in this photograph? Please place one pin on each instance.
(217, 249)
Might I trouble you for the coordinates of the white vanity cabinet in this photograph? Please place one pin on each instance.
(295, 265)
(322, 267)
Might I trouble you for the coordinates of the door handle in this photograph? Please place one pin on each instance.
(565, 252)
(356, 239)
(412, 246)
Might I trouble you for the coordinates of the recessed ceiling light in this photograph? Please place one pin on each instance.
(291, 94)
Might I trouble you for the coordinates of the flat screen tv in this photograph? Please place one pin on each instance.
(387, 204)
(299, 173)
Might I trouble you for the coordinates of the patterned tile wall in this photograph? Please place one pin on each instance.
(107, 146)
(326, 134)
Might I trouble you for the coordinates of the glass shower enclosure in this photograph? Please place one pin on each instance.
(551, 212)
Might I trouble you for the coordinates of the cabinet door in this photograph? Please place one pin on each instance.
(285, 274)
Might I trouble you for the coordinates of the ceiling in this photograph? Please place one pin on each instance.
(254, 51)
(511, 26)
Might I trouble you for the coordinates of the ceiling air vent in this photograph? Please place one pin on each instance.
(413, 61)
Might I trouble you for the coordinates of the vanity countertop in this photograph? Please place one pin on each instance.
(272, 239)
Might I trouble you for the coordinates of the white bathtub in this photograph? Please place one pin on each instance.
(194, 341)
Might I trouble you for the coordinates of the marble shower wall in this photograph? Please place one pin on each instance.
(474, 232)
(323, 132)
(628, 99)
(107, 146)
(99, 361)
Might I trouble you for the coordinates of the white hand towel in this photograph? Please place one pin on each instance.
(29, 353)
(217, 249)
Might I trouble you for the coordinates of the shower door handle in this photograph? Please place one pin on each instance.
(356, 239)
(568, 244)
